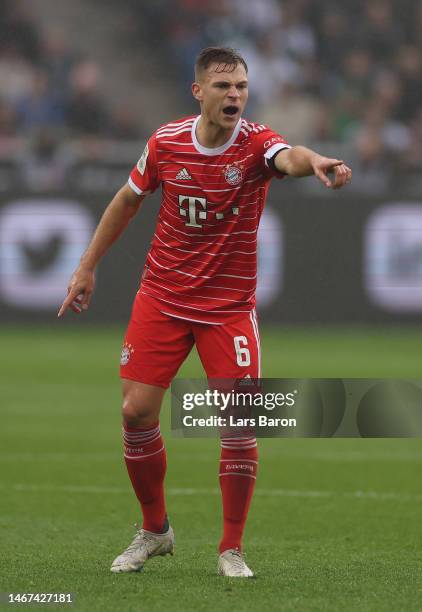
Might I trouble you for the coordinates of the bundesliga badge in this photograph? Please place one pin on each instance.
(127, 351)
(233, 175)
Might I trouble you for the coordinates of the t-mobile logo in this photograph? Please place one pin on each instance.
(195, 209)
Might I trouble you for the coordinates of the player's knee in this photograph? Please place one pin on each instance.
(133, 413)
(137, 413)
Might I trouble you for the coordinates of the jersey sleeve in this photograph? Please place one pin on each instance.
(267, 145)
(144, 177)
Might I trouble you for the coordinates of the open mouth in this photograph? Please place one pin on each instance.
(230, 110)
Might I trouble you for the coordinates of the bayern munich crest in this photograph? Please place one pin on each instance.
(233, 175)
(126, 353)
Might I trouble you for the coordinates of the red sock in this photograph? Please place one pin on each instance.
(145, 458)
(238, 466)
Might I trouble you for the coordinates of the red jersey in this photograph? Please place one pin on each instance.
(202, 264)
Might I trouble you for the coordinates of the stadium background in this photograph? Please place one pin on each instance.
(82, 86)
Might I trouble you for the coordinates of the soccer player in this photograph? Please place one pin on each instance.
(198, 285)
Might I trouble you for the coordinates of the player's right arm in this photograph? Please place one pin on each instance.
(115, 219)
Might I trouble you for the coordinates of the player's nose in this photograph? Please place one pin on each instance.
(233, 92)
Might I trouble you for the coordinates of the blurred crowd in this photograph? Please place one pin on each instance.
(47, 88)
(320, 72)
(347, 72)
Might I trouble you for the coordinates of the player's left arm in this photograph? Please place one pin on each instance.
(301, 161)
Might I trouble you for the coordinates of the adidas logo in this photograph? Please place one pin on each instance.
(248, 381)
(183, 175)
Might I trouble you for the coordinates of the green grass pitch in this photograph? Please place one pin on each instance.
(334, 525)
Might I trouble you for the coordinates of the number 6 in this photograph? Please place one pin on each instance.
(243, 356)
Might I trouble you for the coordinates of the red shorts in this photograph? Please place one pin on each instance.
(156, 344)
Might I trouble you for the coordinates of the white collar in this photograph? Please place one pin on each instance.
(214, 150)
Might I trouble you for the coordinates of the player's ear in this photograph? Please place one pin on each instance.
(197, 91)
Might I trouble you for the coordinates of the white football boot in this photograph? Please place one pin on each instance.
(144, 545)
(231, 563)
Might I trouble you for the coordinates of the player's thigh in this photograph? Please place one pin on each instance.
(230, 350)
(155, 345)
